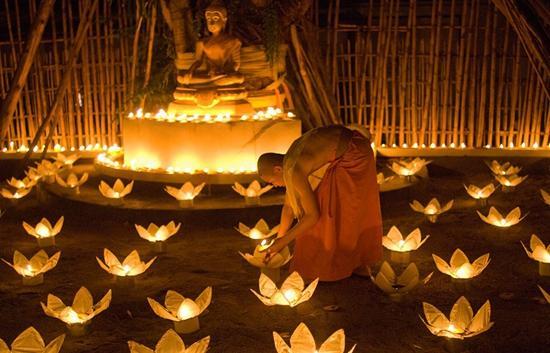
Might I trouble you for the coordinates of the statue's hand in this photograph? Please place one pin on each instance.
(187, 77)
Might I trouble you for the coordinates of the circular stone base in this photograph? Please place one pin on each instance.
(151, 196)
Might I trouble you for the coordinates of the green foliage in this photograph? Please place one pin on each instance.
(158, 92)
(271, 31)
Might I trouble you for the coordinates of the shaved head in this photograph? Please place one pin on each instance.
(270, 167)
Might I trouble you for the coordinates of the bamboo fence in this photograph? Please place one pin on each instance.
(97, 94)
(441, 72)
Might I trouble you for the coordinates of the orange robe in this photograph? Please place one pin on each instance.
(348, 233)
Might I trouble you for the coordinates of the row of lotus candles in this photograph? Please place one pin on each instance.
(293, 292)
(184, 312)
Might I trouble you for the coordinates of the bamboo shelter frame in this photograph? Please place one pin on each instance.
(436, 73)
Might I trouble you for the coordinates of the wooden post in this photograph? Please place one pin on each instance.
(33, 40)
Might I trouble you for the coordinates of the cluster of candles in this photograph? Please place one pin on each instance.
(111, 161)
(14, 148)
(50, 172)
(269, 114)
(292, 292)
(462, 323)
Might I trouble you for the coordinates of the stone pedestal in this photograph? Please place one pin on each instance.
(33, 281)
(455, 345)
(462, 285)
(252, 200)
(482, 202)
(78, 330)
(544, 269)
(125, 281)
(159, 247)
(186, 203)
(187, 326)
(400, 257)
(199, 146)
(46, 242)
(432, 217)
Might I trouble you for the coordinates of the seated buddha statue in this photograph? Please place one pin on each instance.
(220, 88)
(221, 52)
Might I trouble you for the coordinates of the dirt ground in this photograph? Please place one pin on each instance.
(204, 253)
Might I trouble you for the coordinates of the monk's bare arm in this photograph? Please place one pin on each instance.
(309, 204)
(287, 217)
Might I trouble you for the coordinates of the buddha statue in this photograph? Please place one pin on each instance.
(219, 89)
(221, 52)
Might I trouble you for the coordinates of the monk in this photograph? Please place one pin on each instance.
(331, 188)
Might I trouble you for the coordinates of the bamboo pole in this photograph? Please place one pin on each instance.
(35, 35)
(60, 93)
(492, 79)
(472, 91)
(150, 42)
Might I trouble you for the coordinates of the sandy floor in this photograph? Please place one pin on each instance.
(205, 254)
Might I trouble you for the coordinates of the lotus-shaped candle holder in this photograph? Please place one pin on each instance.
(79, 315)
(44, 232)
(539, 253)
(272, 268)
(545, 196)
(25, 183)
(171, 342)
(15, 195)
(401, 247)
(72, 182)
(117, 192)
(398, 286)
(32, 271)
(408, 168)
(502, 169)
(33, 174)
(158, 235)
(545, 294)
(31, 341)
(509, 182)
(252, 193)
(184, 312)
(459, 267)
(186, 194)
(260, 231)
(495, 218)
(302, 341)
(381, 179)
(292, 292)
(47, 171)
(480, 194)
(461, 322)
(126, 271)
(66, 160)
(432, 210)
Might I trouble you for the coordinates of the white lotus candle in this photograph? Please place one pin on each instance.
(401, 247)
(44, 232)
(171, 342)
(462, 322)
(539, 253)
(32, 271)
(302, 341)
(31, 341)
(80, 314)
(291, 293)
(184, 312)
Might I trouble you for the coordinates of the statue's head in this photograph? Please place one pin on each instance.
(216, 17)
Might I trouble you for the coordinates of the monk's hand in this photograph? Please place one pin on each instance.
(278, 245)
